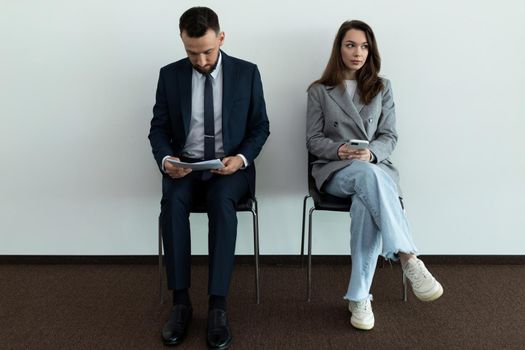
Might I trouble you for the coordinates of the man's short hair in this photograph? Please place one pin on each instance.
(197, 20)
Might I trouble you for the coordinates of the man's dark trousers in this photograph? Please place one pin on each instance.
(221, 194)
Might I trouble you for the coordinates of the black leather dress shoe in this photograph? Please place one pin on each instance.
(175, 330)
(219, 335)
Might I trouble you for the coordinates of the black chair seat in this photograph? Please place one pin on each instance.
(322, 200)
(325, 201)
(245, 204)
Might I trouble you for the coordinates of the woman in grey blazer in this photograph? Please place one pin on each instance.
(350, 101)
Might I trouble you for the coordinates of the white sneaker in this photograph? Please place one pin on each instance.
(362, 315)
(424, 285)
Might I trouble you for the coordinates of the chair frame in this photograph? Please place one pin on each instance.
(255, 218)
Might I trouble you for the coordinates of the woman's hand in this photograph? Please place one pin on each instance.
(360, 154)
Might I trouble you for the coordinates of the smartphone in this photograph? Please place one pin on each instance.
(357, 144)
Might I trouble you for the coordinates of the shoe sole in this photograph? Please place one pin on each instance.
(222, 347)
(434, 296)
(173, 343)
(362, 326)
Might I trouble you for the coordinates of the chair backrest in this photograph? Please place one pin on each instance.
(324, 201)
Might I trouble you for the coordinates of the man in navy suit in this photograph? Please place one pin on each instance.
(208, 105)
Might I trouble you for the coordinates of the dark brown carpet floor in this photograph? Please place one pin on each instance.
(117, 307)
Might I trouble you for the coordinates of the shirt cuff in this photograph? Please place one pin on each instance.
(244, 160)
(163, 160)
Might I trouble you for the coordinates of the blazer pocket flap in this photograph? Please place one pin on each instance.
(320, 161)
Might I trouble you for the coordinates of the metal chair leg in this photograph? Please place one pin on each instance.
(256, 249)
(309, 269)
(405, 285)
(303, 224)
(161, 274)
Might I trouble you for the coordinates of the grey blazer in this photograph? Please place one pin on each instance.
(333, 119)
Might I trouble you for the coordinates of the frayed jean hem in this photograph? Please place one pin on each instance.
(369, 297)
(394, 256)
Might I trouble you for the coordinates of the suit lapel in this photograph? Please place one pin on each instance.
(229, 77)
(185, 82)
(341, 98)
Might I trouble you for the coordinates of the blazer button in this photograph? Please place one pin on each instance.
(370, 120)
(336, 124)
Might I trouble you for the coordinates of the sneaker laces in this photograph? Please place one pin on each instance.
(360, 306)
(417, 273)
(363, 305)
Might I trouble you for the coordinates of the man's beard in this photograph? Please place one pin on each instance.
(210, 70)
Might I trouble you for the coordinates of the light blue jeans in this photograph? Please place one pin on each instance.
(376, 217)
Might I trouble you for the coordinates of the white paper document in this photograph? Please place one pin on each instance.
(204, 165)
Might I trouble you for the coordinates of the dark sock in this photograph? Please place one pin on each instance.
(181, 297)
(217, 302)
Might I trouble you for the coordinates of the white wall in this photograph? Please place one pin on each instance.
(77, 84)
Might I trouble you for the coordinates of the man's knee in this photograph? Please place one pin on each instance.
(226, 192)
(175, 198)
(221, 200)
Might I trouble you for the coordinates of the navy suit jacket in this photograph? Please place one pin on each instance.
(245, 124)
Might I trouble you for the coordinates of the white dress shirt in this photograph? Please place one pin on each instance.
(194, 147)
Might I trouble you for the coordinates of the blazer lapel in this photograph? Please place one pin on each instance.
(343, 101)
(185, 95)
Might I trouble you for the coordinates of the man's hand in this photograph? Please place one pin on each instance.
(231, 165)
(173, 171)
(360, 154)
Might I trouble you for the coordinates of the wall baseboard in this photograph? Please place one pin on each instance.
(248, 259)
